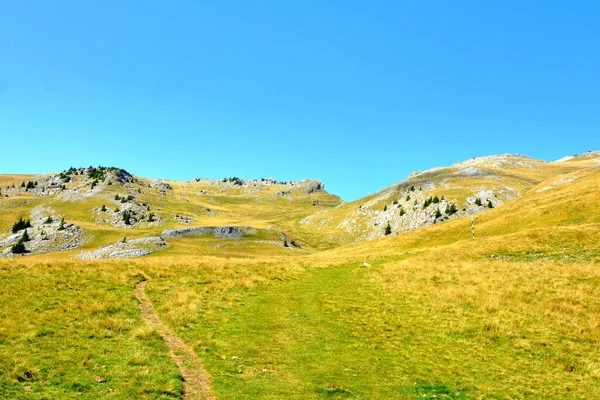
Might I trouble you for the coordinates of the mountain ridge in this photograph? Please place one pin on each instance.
(106, 202)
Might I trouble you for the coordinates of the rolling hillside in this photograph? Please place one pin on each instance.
(439, 194)
(421, 313)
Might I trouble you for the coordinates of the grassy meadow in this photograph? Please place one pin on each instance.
(432, 314)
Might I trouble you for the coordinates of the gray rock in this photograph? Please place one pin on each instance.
(224, 232)
(129, 249)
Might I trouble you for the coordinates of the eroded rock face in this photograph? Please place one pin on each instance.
(223, 232)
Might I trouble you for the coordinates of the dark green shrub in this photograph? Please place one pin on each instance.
(428, 202)
(21, 224)
(451, 209)
(18, 248)
(490, 205)
(388, 229)
(127, 217)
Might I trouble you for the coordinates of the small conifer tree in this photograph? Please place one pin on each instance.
(388, 229)
(127, 217)
(18, 248)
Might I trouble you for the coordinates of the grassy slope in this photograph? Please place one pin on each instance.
(453, 186)
(67, 326)
(513, 314)
(228, 206)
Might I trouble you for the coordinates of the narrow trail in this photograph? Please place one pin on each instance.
(195, 377)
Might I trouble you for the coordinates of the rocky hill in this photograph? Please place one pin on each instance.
(439, 194)
(101, 207)
(106, 212)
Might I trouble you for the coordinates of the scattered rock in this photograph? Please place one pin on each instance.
(473, 171)
(45, 236)
(128, 249)
(160, 185)
(224, 232)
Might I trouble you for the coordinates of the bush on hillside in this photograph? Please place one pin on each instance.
(21, 224)
(451, 209)
(18, 248)
(126, 217)
(388, 229)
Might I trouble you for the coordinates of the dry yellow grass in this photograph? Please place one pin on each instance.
(512, 314)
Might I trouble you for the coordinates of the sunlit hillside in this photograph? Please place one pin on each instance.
(428, 312)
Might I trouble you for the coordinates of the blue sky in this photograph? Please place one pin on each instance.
(357, 94)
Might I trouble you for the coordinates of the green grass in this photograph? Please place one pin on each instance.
(63, 326)
(437, 315)
(396, 331)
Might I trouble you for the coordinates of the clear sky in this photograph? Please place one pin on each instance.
(357, 94)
